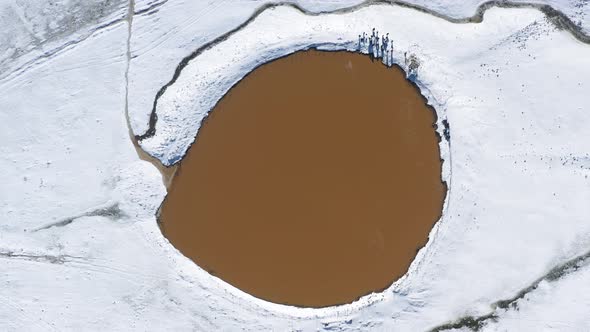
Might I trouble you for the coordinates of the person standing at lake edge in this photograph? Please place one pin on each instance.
(376, 48)
(391, 53)
(371, 48)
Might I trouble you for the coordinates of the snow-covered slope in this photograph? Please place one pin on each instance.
(577, 10)
(512, 164)
(558, 306)
(79, 245)
(160, 40)
(34, 30)
(164, 38)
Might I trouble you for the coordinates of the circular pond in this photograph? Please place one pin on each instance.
(313, 182)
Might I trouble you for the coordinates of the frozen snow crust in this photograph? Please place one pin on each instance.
(79, 244)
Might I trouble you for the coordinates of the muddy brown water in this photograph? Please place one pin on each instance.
(313, 182)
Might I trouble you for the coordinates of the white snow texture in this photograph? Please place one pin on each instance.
(79, 245)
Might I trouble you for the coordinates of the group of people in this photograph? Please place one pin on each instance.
(377, 47)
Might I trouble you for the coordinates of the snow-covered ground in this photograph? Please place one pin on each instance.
(79, 245)
(34, 30)
(557, 306)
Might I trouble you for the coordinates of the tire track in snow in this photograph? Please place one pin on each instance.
(44, 258)
(179, 28)
(10, 75)
(23, 317)
(68, 45)
(87, 264)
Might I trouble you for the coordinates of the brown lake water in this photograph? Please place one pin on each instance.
(313, 182)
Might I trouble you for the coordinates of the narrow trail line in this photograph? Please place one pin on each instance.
(167, 172)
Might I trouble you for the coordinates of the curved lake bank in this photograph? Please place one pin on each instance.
(313, 181)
